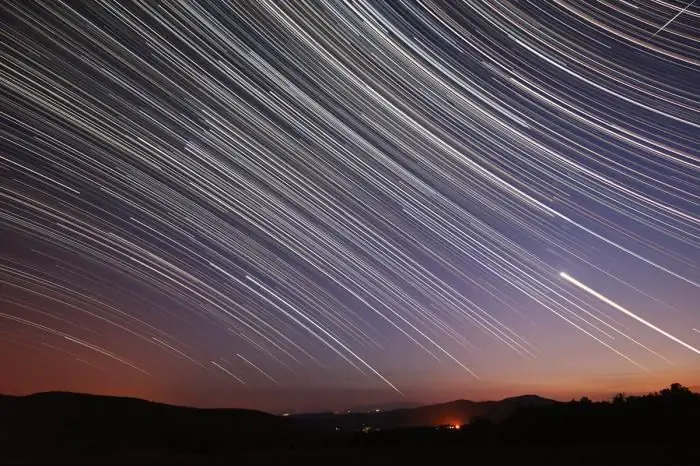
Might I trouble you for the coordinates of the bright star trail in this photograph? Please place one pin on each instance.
(309, 204)
(627, 312)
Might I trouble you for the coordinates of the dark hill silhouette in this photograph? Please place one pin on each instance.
(669, 416)
(453, 413)
(657, 429)
(64, 422)
(96, 415)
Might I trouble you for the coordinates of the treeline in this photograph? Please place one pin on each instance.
(668, 417)
(79, 424)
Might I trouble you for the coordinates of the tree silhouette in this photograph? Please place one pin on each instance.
(677, 391)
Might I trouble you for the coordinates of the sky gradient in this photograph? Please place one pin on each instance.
(301, 206)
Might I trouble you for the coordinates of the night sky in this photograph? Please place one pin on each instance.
(319, 205)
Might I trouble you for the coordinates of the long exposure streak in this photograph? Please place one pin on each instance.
(626, 312)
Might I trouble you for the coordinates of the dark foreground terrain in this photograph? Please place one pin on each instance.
(71, 429)
(633, 454)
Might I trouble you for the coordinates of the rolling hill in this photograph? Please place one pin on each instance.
(65, 422)
(453, 413)
(60, 421)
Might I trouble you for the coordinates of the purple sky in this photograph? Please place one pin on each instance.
(313, 207)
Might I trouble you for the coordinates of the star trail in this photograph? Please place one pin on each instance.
(232, 203)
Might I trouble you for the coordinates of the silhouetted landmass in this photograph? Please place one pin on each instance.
(453, 413)
(59, 422)
(68, 428)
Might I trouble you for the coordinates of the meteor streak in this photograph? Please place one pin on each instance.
(612, 303)
(674, 17)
